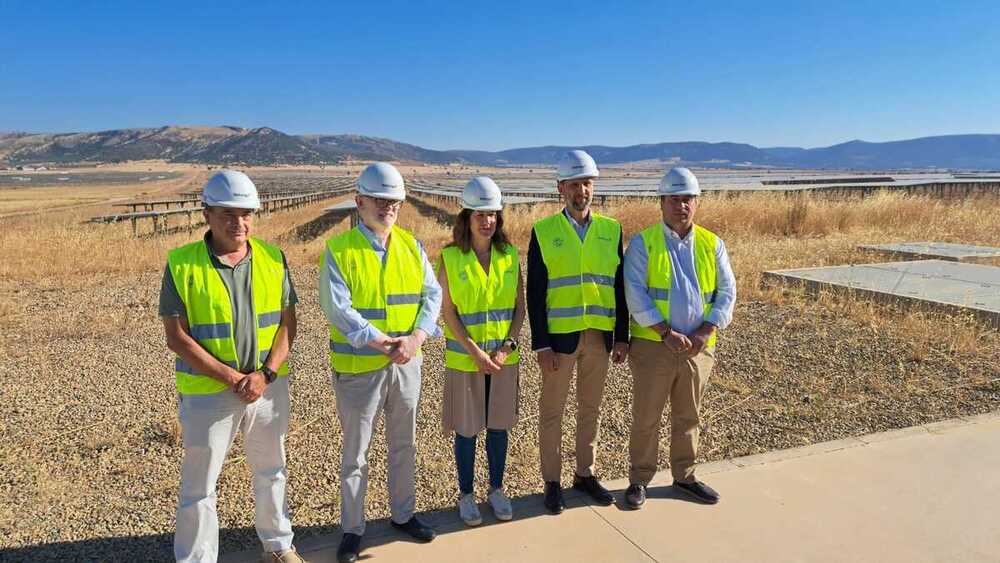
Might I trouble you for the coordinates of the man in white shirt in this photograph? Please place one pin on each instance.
(680, 290)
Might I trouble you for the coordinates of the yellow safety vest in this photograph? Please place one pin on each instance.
(210, 314)
(388, 297)
(581, 292)
(485, 303)
(659, 275)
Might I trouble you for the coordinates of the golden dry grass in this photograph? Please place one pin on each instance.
(762, 232)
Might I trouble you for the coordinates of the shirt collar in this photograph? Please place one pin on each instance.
(370, 235)
(572, 221)
(671, 235)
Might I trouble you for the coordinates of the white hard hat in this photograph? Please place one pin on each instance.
(381, 180)
(229, 188)
(481, 194)
(679, 181)
(577, 164)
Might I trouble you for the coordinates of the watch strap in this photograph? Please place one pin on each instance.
(269, 374)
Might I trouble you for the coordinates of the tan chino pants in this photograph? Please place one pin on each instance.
(659, 375)
(591, 361)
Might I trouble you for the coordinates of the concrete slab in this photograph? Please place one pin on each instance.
(946, 425)
(907, 495)
(937, 250)
(578, 534)
(802, 451)
(893, 434)
(898, 500)
(903, 495)
(937, 284)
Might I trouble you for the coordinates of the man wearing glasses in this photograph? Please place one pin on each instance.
(382, 300)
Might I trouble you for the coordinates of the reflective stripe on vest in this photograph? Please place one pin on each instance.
(659, 275)
(485, 302)
(581, 291)
(209, 309)
(387, 296)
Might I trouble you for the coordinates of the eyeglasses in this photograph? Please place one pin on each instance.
(385, 203)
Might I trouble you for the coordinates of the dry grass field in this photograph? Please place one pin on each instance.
(90, 454)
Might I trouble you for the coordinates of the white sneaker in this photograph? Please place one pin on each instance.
(468, 511)
(500, 505)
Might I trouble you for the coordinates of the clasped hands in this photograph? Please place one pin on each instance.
(691, 345)
(400, 349)
(251, 386)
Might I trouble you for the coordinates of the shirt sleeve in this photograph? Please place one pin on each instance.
(170, 301)
(430, 299)
(288, 295)
(335, 300)
(725, 297)
(640, 304)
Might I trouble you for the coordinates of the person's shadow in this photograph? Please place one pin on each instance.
(241, 544)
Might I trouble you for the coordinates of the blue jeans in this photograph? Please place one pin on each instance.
(496, 457)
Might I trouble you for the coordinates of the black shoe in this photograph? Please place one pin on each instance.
(416, 529)
(554, 498)
(635, 496)
(350, 545)
(698, 491)
(593, 487)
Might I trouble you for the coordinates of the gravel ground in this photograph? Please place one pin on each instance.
(90, 456)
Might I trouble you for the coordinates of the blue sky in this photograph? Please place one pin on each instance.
(504, 74)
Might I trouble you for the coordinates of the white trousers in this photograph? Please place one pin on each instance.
(209, 423)
(396, 390)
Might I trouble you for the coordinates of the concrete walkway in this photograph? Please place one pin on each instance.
(927, 493)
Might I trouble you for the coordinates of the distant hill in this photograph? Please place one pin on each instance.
(221, 145)
(360, 147)
(258, 146)
(689, 152)
(951, 151)
(179, 144)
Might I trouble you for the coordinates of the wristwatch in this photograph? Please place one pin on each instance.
(511, 343)
(269, 374)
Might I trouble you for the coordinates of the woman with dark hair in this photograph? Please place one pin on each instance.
(483, 310)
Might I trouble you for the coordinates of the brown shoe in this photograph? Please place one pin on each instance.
(290, 555)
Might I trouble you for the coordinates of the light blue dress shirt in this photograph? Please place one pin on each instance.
(686, 313)
(581, 230)
(335, 297)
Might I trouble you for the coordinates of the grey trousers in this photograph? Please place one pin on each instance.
(396, 390)
(209, 423)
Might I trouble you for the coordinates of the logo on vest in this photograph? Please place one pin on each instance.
(557, 242)
(464, 276)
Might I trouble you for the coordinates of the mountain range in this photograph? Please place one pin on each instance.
(264, 146)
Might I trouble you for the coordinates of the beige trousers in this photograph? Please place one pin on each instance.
(659, 375)
(591, 362)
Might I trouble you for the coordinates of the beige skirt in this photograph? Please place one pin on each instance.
(464, 407)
